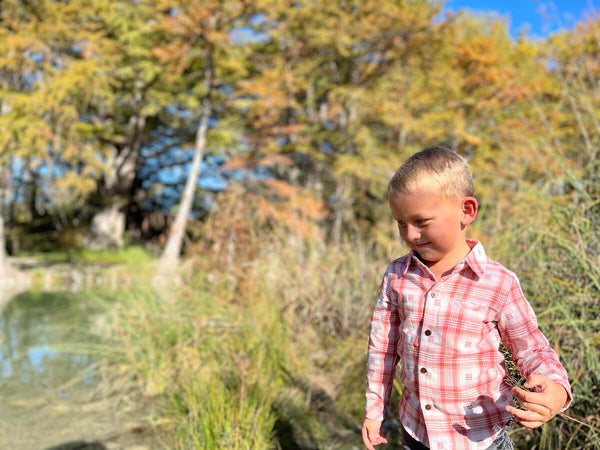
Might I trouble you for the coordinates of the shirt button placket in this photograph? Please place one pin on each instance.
(423, 370)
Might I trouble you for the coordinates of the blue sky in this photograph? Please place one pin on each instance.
(542, 17)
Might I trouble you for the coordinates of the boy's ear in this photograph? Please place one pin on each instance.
(469, 210)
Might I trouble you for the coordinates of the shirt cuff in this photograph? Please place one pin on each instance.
(374, 410)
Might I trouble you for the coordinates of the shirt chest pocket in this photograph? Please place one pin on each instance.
(467, 316)
(465, 327)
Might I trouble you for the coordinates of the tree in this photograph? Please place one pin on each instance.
(121, 120)
(47, 63)
(316, 82)
(3, 255)
(205, 62)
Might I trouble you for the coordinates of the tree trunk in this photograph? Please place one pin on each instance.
(108, 224)
(170, 256)
(12, 281)
(341, 209)
(3, 254)
(169, 259)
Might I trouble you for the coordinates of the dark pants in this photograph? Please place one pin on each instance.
(502, 441)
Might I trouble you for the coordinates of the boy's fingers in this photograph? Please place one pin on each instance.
(376, 437)
(528, 424)
(524, 395)
(366, 440)
(537, 380)
(528, 419)
(527, 416)
(532, 398)
(381, 440)
(372, 437)
(532, 403)
(538, 409)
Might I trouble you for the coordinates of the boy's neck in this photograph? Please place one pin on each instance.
(445, 265)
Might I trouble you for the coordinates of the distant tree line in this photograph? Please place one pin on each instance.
(307, 105)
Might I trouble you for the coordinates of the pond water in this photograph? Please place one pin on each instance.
(43, 337)
(50, 389)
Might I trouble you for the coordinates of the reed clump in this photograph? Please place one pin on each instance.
(211, 366)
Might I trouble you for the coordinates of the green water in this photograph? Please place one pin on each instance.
(53, 395)
(44, 344)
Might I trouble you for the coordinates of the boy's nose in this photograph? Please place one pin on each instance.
(412, 234)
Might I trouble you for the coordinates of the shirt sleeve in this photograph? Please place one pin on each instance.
(530, 349)
(383, 356)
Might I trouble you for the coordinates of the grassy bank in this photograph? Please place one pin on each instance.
(211, 365)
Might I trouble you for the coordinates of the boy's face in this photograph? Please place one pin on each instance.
(432, 224)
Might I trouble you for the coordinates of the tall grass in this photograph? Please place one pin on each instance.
(271, 352)
(273, 356)
(213, 364)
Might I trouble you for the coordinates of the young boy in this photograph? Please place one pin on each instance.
(443, 310)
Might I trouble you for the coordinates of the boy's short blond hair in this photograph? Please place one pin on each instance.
(438, 167)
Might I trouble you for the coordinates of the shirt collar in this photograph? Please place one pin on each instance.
(476, 259)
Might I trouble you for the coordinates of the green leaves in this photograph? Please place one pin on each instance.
(341, 90)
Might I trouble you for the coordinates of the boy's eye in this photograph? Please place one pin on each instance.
(401, 224)
(422, 221)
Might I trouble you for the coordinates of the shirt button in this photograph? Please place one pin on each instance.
(427, 407)
(423, 370)
(433, 295)
(427, 332)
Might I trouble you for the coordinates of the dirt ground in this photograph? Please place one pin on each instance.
(76, 424)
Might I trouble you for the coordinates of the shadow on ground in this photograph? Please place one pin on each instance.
(79, 445)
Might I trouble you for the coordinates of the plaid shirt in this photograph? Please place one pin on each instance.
(447, 334)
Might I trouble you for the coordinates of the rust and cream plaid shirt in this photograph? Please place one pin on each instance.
(447, 334)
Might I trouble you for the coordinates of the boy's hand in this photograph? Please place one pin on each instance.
(371, 433)
(542, 405)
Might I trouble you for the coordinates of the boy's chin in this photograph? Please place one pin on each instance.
(428, 257)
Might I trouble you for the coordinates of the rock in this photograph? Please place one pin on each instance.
(12, 283)
(61, 408)
(107, 229)
(100, 405)
(35, 403)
